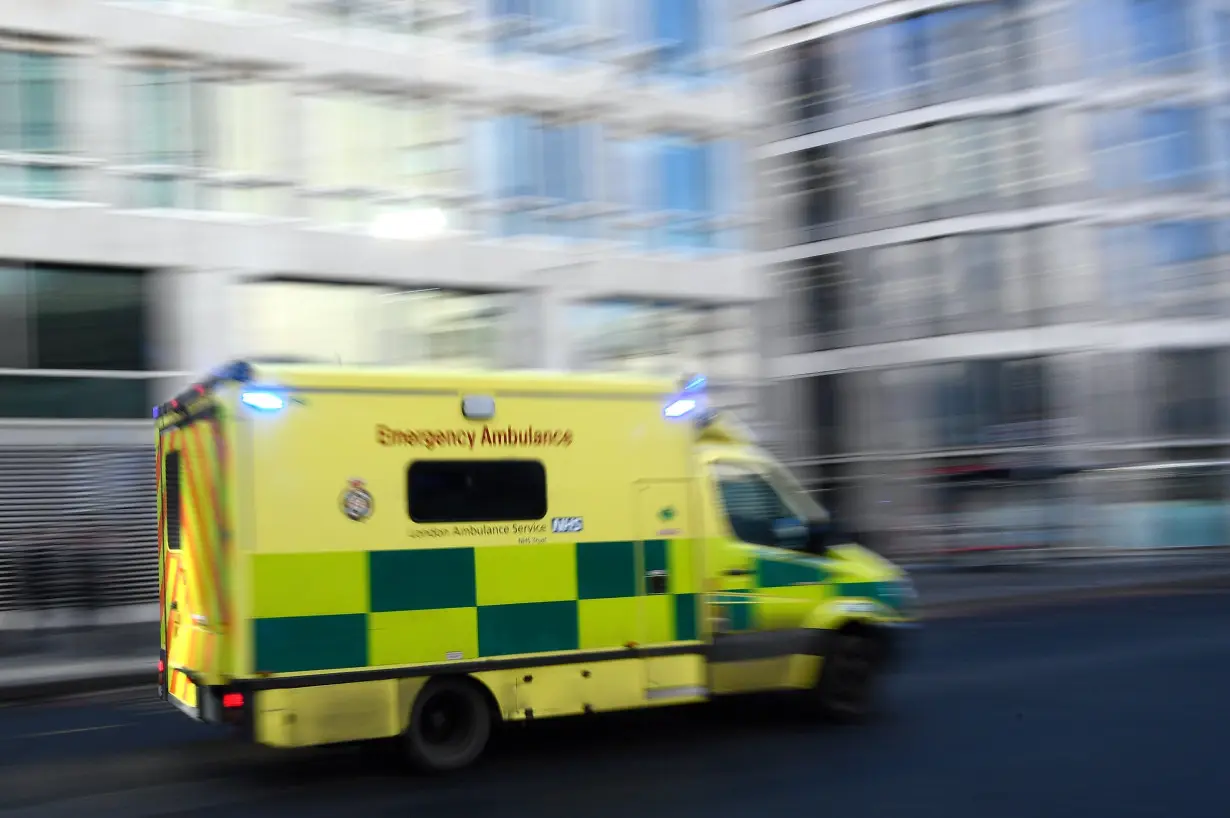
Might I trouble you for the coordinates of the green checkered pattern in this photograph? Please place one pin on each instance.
(343, 610)
(784, 579)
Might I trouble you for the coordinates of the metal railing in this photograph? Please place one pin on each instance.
(78, 527)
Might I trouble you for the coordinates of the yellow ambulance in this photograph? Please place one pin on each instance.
(354, 554)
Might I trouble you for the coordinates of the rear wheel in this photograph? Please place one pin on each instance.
(846, 690)
(450, 725)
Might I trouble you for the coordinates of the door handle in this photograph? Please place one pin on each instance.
(739, 572)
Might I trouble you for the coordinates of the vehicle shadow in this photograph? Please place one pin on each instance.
(703, 736)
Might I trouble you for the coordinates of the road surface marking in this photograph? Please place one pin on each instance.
(50, 733)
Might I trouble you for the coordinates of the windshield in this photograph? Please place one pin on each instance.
(797, 495)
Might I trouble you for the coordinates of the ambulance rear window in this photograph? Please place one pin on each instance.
(476, 491)
(170, 499)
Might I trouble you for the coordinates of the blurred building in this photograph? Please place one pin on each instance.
(511, 183)
(999, 237)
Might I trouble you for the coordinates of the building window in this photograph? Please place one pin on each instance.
(541, 184)
(1182, 254)
(982, 285)
(1222, 32)
(727, 168)
(675, 25)
(966, 49)
(1114, 138)
(813, 89)
(820, 295)
(821, 181)
(1026, 404)
(1187, 396)
(687, 193)
(823, 401)
(161, 137)
(33, 128)
(1126, 283)
(332, 322)
(477, 491)
(1173, 149)
(385, 163)
(445, 328)
(87, 319)
(244, 131)
(359, 324)
(564, 181)
(627, 335)
(558, 30)
(877, 63)
(675, 193)
(75, 319)
(208, 144)
(719, 342)
(1161, 37)
(517, 151)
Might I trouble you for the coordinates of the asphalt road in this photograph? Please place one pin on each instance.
(1110, 708)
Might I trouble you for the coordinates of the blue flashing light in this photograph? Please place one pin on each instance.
(264, 401)
(689, 399)
(679, 407)
(695, 384)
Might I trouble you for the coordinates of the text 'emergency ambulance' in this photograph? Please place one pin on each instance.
(492, 436)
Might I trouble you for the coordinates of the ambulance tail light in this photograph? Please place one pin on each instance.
(232, 701)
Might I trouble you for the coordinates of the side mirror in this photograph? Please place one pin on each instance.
(824, 535)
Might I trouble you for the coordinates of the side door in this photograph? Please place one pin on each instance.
(764, 580)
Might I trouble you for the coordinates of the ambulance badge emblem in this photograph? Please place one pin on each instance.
(357, 502)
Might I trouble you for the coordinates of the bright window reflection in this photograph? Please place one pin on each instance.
(669, 339)
(352, 323)
(381, 161)
(212, 144)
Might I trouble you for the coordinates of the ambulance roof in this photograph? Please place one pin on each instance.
(378, 378)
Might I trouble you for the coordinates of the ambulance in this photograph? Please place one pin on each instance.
(413, 558)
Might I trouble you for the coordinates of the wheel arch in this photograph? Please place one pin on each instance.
(412, 688)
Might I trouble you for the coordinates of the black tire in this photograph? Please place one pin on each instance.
(846, 691)
(450, 725)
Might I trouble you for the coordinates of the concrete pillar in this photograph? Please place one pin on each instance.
(538, 335)
(291, 130)
(97, 124)
(197, 320)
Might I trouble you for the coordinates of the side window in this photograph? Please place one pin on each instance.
(754, 508)
(476, 491)
(170, 499)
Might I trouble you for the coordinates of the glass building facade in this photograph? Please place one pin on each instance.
(1000, 245)
(456, 183)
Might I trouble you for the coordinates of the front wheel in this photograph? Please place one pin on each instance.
(846, 689)
(450, 725)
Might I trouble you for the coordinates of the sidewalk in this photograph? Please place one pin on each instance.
(125, 654)
(950, 593)
(65, 677)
